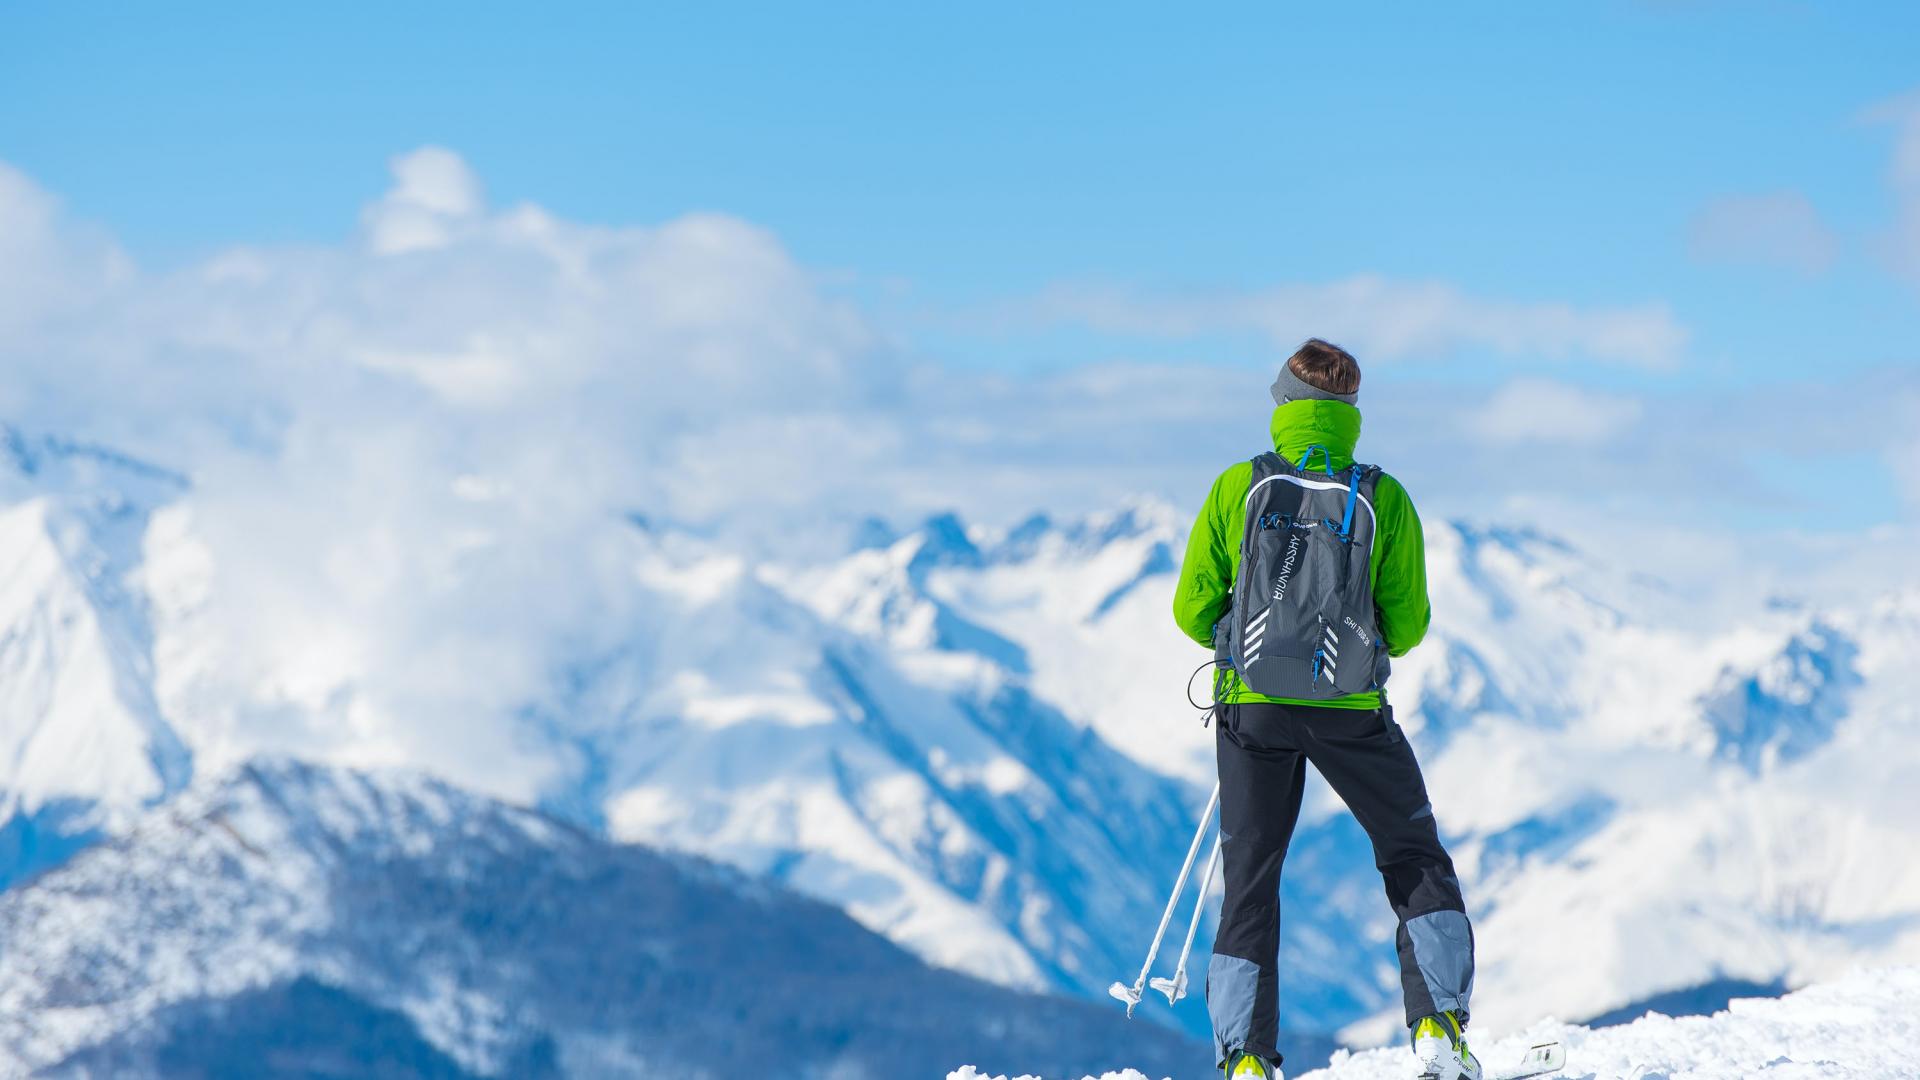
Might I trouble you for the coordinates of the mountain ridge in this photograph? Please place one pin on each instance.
(508, 942)
(977, 742)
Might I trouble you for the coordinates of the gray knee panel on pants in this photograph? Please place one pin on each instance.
(1443, 951)
(1231, 984)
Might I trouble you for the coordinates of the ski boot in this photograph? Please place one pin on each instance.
(1441, 1046)
(1244, 1066)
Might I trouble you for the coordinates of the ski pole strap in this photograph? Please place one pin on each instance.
(1353, 495)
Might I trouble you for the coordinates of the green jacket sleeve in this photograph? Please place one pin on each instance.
(1399, 568)
(1213, 552)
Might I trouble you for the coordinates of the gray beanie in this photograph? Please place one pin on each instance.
(1290, 387)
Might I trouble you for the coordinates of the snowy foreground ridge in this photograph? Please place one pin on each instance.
(1866, 1024)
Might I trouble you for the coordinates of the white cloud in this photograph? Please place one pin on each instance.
(339, 409)
(1904, 457)
(433, 192)
(1899, 244)
(1379, 318)
(1545, 411)
(1780, 229)
(1904, 177)
(47, 266)
(412, 453)
(435, 179)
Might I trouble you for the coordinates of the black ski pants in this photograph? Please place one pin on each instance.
(1263, 751)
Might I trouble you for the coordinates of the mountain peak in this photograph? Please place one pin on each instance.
(80, 732)
(1790, 705)
(944, 541)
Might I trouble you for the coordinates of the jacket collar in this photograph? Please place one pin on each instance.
(1298, 425)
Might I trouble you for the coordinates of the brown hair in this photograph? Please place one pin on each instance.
(1325, 366)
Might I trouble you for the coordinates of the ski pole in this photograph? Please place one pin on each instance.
(1176, 987)
(1131, 994)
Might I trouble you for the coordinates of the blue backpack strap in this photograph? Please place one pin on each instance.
(1325, 455)
(1353, 495)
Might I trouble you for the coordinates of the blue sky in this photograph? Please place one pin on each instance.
(970, 177)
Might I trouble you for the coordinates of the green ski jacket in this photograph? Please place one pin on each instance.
(1398, 570)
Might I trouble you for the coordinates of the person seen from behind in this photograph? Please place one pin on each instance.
(1306, 572)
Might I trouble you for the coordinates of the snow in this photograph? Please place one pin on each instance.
(1088, 604)
(976, 741)
(968, 1072)
(1679, 796)
(482, 930)
(83, 745)
(848, 734)
(1864, 1025)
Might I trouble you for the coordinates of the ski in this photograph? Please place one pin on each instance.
(1540, 1060)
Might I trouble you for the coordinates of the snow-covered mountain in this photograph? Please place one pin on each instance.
(893, 759)
(1081, 608)
(83, 746)
(1861, 1026)
(978, 743)
(294, 920)
(1642, 798)
(931, 794)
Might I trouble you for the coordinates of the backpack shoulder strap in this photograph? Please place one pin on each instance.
(1264, 466)
(1360, 481)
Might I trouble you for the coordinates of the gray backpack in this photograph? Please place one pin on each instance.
(1302, 623)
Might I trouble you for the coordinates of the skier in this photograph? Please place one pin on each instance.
(1280, 625)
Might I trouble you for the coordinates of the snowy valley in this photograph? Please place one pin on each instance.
(973, 741)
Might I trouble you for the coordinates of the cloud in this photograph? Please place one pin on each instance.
(414, 453)
(1778, 229)
(433, 192)
(1904, 180)
(1899, 243)
(1904, 457)
(1544, 411)
(47, 266)
(1384, 319)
